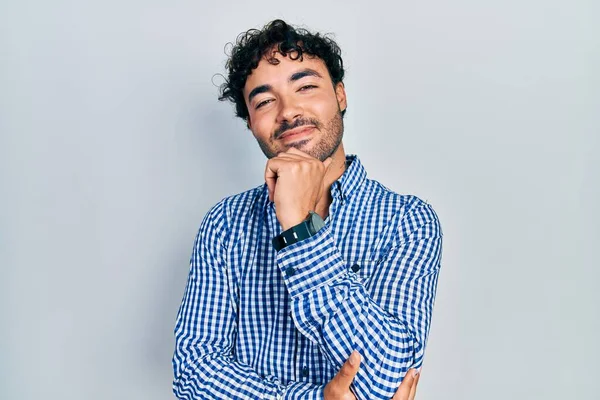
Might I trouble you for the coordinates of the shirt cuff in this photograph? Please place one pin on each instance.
(311, 263)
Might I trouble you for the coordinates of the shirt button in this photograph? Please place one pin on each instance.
(290, 271)
(304, 371)
(355, 267)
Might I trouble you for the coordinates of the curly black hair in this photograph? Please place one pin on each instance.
(288, 41)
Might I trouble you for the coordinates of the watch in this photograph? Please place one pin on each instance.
(305, 229)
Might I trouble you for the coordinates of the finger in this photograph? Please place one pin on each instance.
(271, 182)
(288, 156)
(271, 174)
(300, 156)
(346, 374)
(273, 170)
(413, 389)
(293, 150)
(403, 391)
(298, 159)
(280, 162)
(275, 165)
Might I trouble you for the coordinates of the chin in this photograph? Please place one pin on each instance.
(302, 145)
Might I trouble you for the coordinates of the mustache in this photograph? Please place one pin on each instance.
(286, 126)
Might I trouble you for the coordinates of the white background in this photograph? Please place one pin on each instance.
(113, 146)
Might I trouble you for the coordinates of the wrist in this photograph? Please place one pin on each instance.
(293, 220)
(306, 228)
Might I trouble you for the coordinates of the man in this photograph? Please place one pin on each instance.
(320, 283)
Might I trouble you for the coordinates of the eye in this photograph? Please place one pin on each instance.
(262, 103)
(306, 87)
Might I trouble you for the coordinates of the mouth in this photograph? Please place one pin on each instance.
(297, 133)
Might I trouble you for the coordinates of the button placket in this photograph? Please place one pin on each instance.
(305, 371)
(302, 368)
(290, 271)
(337, 198)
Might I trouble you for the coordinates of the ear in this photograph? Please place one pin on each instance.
(340, 93)
(248, 123)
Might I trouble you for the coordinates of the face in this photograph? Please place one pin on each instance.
(294, 104)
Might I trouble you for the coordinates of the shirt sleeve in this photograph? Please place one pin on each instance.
(204, 363)
(333, 308)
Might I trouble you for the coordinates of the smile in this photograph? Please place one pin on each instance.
(296, 133)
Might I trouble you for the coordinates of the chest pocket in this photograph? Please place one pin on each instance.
(362, 269)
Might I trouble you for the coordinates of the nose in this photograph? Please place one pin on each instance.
(289, 110)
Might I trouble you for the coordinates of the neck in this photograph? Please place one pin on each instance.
(336, 169)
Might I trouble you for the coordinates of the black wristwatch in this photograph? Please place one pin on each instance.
(303, 230)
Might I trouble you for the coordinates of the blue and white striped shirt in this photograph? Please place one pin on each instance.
(259, 324)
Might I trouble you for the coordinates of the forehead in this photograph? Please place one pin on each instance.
(277, 74)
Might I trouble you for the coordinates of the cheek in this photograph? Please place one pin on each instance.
(324, 107)
(261, 129)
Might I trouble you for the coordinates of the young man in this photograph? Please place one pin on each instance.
(320, 283)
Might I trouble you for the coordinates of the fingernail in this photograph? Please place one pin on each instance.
(416, 373)
(353, 358)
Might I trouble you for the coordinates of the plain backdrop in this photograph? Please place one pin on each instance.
(113, 146)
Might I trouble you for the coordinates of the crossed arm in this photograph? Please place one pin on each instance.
(204, 363)
(387, 324)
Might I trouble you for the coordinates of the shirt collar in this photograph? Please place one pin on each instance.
(351, 179)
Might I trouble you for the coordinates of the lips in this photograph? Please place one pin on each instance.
(297, 132)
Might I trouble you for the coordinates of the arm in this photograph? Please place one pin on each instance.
(332, 308)
(204, 362)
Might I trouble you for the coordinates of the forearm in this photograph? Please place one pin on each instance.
(220, 377)
(341, 317)
(215, 377)
(204, 361)
(387, 325)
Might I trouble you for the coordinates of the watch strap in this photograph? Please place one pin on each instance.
(293, 235)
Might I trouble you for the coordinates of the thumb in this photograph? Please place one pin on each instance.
(346, 374)
(271, 181)
(408, 382)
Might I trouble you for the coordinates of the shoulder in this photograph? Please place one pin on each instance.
(401, 203)
(242, 203)
(409, 211)
(235, 209)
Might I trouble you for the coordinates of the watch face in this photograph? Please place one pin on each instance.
(316, 222)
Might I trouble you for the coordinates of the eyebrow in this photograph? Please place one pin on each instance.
(305, 72)
(293, 78)
(258, 90)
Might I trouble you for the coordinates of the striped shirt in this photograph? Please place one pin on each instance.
(255, 323)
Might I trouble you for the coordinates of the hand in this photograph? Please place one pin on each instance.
(408, 387)
(296, 184)
(338, 387)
